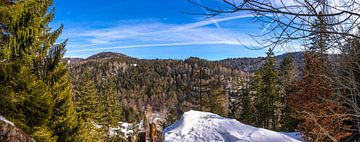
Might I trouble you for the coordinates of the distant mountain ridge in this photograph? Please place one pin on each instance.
(252, 64)
(246, 64)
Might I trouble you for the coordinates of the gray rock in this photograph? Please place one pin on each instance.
(10, 133)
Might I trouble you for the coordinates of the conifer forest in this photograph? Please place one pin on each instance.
(306, 81)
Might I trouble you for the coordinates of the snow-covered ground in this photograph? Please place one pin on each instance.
(208, 127)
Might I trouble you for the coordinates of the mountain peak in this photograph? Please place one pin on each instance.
(102, 55)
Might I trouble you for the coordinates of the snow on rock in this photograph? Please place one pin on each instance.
(6, 121)
(10, 133)
(203, 127)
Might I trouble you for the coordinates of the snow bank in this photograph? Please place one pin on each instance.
(6, 121)
(202, 126)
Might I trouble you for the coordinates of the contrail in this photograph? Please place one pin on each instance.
(212, 21)
(267, 26)
(157, 45)
(184, 27)
(191, 25)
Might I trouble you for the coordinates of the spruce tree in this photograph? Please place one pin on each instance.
(241, 105)
(87, 106)
(287, 78)
(109, 105)
(267, 97)
(247, 107)
(86, 98)
(37, 92)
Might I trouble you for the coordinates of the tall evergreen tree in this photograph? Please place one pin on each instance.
(87, 99)
(110, 106)
(247, 105)
(88, 108)
(241, 105)
(287, 78)
(267, 97)
(38, 94)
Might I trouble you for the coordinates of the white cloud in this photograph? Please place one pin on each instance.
(154, 34)
(158, 45)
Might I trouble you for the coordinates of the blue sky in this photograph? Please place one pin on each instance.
(154, 29)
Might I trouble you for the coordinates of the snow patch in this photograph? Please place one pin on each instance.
(6, 121)
(124, 129)
(203, 126)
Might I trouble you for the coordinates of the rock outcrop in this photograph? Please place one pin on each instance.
(10, 133)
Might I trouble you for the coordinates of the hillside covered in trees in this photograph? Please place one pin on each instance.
(134, 87)
(162, 85)
(166, 85)
(114, 97)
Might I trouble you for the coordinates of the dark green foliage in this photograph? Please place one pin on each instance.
(86, 99)
(38, 94)
(247, 111)
(109, 105)
(267, 97)
(88, 108)
(287, 86)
